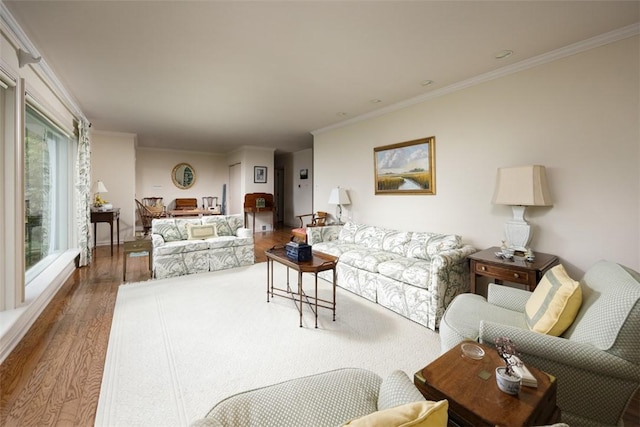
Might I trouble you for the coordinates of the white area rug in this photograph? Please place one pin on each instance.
(180, 345)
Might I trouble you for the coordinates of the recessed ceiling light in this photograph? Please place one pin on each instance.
(426, 82)
(376, 101)
(504, 54)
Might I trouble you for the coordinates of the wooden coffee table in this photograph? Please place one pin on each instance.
(319, 262)
(474, 398)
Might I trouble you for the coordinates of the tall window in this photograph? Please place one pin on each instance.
(48, 181)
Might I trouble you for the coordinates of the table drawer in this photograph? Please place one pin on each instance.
(502, 273)
(138, 245)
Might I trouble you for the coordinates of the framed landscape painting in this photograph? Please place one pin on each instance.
(406, 167)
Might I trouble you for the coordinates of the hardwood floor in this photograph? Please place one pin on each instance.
(53, 376)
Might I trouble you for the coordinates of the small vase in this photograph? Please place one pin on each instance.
(510, 384)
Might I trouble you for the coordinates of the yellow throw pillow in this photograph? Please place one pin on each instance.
(423, 414)
(554, 304)
(201, 232)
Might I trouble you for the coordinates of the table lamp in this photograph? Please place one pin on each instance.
(520, 187)
(98, 188)
(339, 197)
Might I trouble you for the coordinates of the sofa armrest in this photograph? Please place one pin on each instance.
(244, 232)
(157, 240)
(323, 234)
(560, 351)
(448, 277)
(507, 297)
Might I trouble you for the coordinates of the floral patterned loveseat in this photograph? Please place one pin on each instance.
(415, 274)
(174, 254)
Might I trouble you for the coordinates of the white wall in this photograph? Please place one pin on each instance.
(578, 116)
(113, 161)
(302, 197)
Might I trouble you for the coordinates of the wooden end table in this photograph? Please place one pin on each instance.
(318, 262)
(109, 216)
(137, 245)
(474, 398)
(518, 270)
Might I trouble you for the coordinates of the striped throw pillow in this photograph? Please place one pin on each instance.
(554, 304)
(201, 232)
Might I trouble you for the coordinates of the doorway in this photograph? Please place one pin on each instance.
(278, 196)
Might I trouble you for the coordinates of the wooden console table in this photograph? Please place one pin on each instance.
(108, 216)
(318, 262)
(518, 270)
(252, 206)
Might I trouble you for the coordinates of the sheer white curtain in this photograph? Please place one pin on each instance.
(83, 192)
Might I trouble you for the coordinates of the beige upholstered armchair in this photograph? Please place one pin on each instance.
(596, 360)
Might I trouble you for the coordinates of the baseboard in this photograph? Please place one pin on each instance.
(16, 323)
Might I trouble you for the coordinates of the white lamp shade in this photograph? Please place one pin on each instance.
(522, 186)
(99, 187)
(339, 196)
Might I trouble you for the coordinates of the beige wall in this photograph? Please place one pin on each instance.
(113, 160)
(153, 174)
(578, 116)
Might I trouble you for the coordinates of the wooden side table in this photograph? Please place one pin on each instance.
(518, 270)
(137, 245)
(474, 397)
(108, 216)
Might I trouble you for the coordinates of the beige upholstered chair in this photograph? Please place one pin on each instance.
(596, 361)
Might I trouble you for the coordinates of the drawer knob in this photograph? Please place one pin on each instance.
(516, 275)
(483, 268)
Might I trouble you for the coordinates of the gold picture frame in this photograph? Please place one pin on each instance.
(406, 167)
(183, 176)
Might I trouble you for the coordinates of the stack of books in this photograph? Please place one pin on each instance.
(528, 380)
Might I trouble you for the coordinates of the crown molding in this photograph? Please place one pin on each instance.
(21, 40)
(554, 55)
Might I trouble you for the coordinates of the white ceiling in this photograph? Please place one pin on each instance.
(212, 76)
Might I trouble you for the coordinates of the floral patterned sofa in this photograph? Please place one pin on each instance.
(174, 254)
(415, 274)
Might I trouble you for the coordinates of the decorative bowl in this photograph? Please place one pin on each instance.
(472, 351)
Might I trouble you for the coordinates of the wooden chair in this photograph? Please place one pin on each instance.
(210, 203)
(146, 216)
(318, 219)
(155, 205)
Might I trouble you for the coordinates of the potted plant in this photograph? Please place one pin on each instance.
(507, 379)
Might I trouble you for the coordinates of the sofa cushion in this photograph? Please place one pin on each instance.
(201, 232)
(366, 259)
(396, 241)
(442, 242)
(397, 389)
(610, 302)
(553, 305)
(427, 414)
(407, 270)
(348, 232)
(424, 245)
(166, 227)
(334, 247)
(228, 241)
(181, 225)
(180, 247)
(225, 225)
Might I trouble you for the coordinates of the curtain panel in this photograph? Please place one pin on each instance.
(83, 192)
